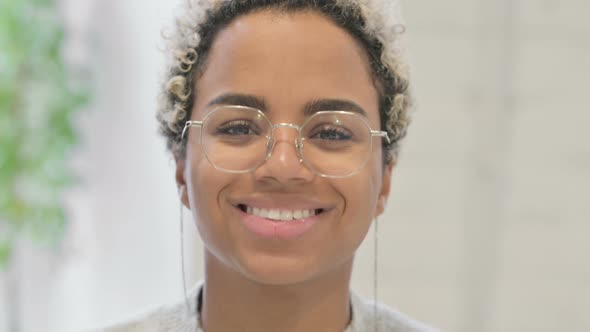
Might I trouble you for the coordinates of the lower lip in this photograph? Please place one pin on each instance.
(284, 230)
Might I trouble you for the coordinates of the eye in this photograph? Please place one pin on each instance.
(331, 133)
(238, 128)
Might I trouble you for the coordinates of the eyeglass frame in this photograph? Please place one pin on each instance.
(298, 141)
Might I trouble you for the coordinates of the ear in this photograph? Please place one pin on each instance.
(181, 181)
(385, 187)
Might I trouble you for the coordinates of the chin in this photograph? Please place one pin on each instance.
(278, 271)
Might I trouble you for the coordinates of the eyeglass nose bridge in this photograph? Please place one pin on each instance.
(298, 142)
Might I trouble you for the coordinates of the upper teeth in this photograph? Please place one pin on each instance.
(278, 214)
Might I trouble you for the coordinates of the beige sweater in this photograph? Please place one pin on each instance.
(176, 318)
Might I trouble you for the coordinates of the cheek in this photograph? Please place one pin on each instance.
(360, 199)
(205, 185)
(363, 189)
(196, 175)
(205, 182)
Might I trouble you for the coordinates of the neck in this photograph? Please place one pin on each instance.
(231, 302)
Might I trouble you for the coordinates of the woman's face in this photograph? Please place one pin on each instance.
(287, 61)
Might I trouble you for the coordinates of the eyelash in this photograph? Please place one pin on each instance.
(233, 125)
(341, 132)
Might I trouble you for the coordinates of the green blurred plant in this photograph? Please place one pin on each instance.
(37, 100)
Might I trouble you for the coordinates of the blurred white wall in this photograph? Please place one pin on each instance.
(486, 226)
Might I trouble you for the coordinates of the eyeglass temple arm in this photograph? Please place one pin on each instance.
(382, 134)
(189, 124)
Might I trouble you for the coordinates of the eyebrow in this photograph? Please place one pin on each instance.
(310, 108)
(239, 99)
(319, 105)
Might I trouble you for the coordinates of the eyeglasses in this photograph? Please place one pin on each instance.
(238, 139)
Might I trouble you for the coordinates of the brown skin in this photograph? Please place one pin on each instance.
(255, 284)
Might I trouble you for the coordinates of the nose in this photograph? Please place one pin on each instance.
(284, 164)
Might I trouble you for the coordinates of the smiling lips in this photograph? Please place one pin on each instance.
(280, 215)
(276, 223)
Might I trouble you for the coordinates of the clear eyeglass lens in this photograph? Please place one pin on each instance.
(235, 138)
(335, 144)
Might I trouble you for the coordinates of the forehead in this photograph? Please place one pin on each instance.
(288, 59)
